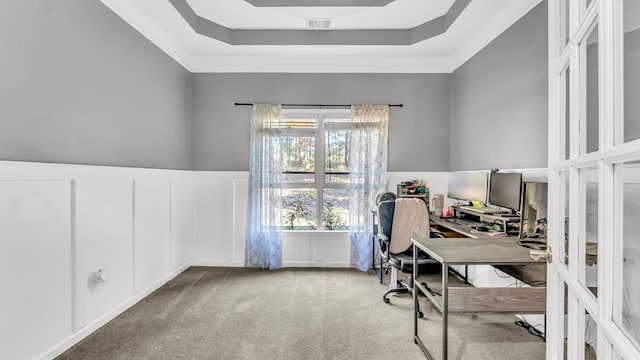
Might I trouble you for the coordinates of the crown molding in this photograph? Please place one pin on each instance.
(321, 64)
(318, 3)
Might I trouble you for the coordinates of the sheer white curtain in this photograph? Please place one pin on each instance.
(264, 236)
(368, 175)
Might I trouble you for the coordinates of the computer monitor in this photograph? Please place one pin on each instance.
(469, 186)
(505, 190)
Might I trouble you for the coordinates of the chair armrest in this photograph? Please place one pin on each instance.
(383, 244)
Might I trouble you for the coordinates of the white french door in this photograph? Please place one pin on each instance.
(593, 306)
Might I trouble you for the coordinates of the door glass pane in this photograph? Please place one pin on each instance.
(631, 69)
(590, 338)
(336, 209)
(567, 136)
(631, 251)
(565, 319)
(590, 213)
(588, 3)
(564, 177)
(299, 209)
(591, 107)
(564, 17)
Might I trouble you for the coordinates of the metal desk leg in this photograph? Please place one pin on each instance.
(373, 252)
(415, 293)
(466, 274)
(445, 308)
(376, 270)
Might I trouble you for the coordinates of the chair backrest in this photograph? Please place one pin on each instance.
(410, 217)
(386, 208)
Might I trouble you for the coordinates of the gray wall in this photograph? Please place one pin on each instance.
(418, 132)
(79, 85)
(499, 100)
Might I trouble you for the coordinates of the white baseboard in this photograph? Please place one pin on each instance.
(217, 263)
(336, 264)
(90, 328)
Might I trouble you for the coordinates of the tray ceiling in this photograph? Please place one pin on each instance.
(409, 36)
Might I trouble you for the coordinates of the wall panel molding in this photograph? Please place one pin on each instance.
(84, 219)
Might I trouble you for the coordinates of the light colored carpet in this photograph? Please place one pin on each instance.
(238, 313)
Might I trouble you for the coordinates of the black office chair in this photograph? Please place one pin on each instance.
(398, 252)
(384, 213)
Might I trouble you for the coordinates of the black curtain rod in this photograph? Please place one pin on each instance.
(315, 105)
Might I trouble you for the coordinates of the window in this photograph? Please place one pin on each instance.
(315, 179)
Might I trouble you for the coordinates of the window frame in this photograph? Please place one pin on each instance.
(323, 126)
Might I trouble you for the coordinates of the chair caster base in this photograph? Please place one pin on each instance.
(386, 301)
(420, 315)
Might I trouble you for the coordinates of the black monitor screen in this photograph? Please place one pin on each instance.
(504, 190)
(468, 186)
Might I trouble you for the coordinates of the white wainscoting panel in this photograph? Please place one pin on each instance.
(321, 249)
(61, 223)
(104, 241)
(240, 201)
(35, 266)
(181, 235)
(214, 210)
(219, 220)
(220, 212)
(152, 231)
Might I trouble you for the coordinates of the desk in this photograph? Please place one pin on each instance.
(458, 300)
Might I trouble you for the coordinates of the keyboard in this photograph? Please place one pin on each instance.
(466, 223)
(484, 210)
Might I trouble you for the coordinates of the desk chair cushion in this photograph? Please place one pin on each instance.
(404, 261)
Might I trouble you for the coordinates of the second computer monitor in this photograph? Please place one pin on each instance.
(505, 190)
(468, 186)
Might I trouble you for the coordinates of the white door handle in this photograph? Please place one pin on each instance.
(541, 254)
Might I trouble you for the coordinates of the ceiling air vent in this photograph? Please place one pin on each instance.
(318, 24)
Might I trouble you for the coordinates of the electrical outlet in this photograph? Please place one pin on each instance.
(98, 279)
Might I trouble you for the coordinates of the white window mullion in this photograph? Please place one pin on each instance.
(620, 341)
(618, 241)
(606, 83)
(576, 310)
(606, 225)
(320, 169)
(575, 322)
